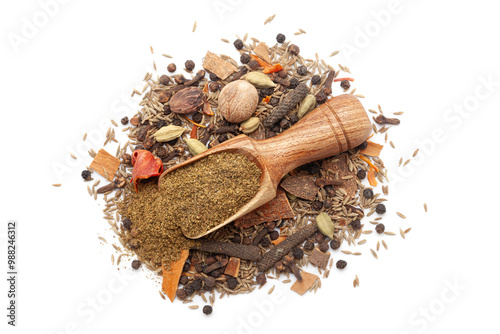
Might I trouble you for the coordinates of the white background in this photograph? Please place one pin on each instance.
(429, 59)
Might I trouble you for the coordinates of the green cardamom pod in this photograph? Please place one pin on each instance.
(260, 80)
(168, 133)
(195, 146)
(307, 104)
(325, 224)
(250, 125)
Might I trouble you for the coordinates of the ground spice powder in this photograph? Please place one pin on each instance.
(192, 199)
(211, 190)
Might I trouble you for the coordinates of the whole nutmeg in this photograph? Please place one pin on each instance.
(238, 101)
(187, 100)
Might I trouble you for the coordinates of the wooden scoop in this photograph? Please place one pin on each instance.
(337, 125)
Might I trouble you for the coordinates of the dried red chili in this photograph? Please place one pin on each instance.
(145, 166)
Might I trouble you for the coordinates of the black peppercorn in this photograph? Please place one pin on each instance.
(186, 266)
(327, 203)
(261, 279)
(196, 284)
(302, 70)
(197, 117)
(177, 122)
(189, 289)
(335, 244)
(356, 224)
(213, 86)
(294, 83)
(380, 209)
(136, 264)
(321, 97)
(294, 119)
(238, 44)
(362, 146)
(298, 253)
(232, 282)
(237, 239)
(166, 109)
(207, 309)
(361, 174)
(209, 282)
(245, 58)
(316, 205)
(380, 228)
(173, 141)
(274, 235)
(319, 237)
(189, 64)
(253, 64)
(198, 267)
(124, 120)
(127, 223)
(368, 193)
(323, 247)
(86, 174)
(285, 124)
(216, 273)
(161, 124)
(341, 264)
(265, 242)
(161, 152)
(345, 84)
(247, 241)
(213, 77)
(280, 38)
(184, 280)
(316, 79)
(294, 49)
(171, 67)
(271, 134)
(181, 294)
(164, 80)
(308, 245)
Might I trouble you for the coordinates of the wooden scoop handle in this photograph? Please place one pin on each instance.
(339, 124)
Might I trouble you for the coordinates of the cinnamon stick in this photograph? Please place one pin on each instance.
(283, 248)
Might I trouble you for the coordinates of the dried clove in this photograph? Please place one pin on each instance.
(321, 182)
(381, 119)
(119, 182)
(327, 87)
(199, 75)
(290, 263)
(216, 265)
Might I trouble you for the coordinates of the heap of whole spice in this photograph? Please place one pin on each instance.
(321, 208)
